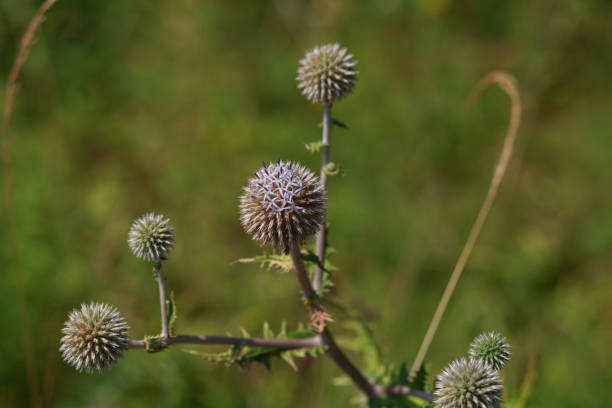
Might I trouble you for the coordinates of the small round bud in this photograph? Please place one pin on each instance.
(327, 73)
(282, 205)
(468, 384)
(492, 348)
(151, 237)
(94, 337)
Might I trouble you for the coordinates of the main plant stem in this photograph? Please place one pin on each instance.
(161, 282)
(333, 351)
(318, 273)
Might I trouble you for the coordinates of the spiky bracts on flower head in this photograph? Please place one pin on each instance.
(327, 73)
(493, 348)
(468, 383)
(94, 337)
(282, 205)
(151, 237)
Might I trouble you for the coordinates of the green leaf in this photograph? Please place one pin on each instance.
(154, 344)
(281, 262)
(402, 377)
(332, 169)
(172, 314)
(267, 332)
(336, 122)
(314, 147)
(420, 378)
(311, 260)
(243, 355)
(212, 357)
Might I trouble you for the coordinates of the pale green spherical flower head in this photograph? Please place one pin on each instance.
(95, 336)
(493, 348)
(151, 237)
(468, 383)
(327, 73)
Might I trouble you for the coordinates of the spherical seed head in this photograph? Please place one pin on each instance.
(282, 205)
(151, 237)
(468, 384)
(94, 337)
(493, 348)
(327, 73)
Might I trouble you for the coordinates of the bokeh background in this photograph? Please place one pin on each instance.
(134, 106)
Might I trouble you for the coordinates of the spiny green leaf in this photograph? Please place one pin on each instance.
(154, 344)
(172, 314)
(311, 260)
(271, 261)
(336, 122)
(282, 334)
(314, 147)
(267, 332)
(222, 357)
(243, 355)
(420, 378)
(402, 376)
(332, 169)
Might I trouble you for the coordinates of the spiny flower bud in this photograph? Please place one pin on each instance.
(282, 205)
(327, 73)
(94, 337)
(468, 384)
(492, 348)
(151, 237)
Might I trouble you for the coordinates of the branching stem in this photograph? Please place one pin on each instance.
(314, 341)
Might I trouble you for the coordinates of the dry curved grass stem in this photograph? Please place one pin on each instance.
(507, 83)
(11, 94)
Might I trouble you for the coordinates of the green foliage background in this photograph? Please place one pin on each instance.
(132, 106)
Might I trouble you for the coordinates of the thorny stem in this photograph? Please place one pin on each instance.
(333, 351)
(161, 281)
(318, 272)
(300, 271)
(314, 341)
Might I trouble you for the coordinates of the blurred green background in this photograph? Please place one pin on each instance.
(169, 106)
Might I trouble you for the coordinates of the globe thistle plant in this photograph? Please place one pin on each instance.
(493, 348)
(282, 205)
(151, 237)
(327, 73)
(468, 383)
(94, 337)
